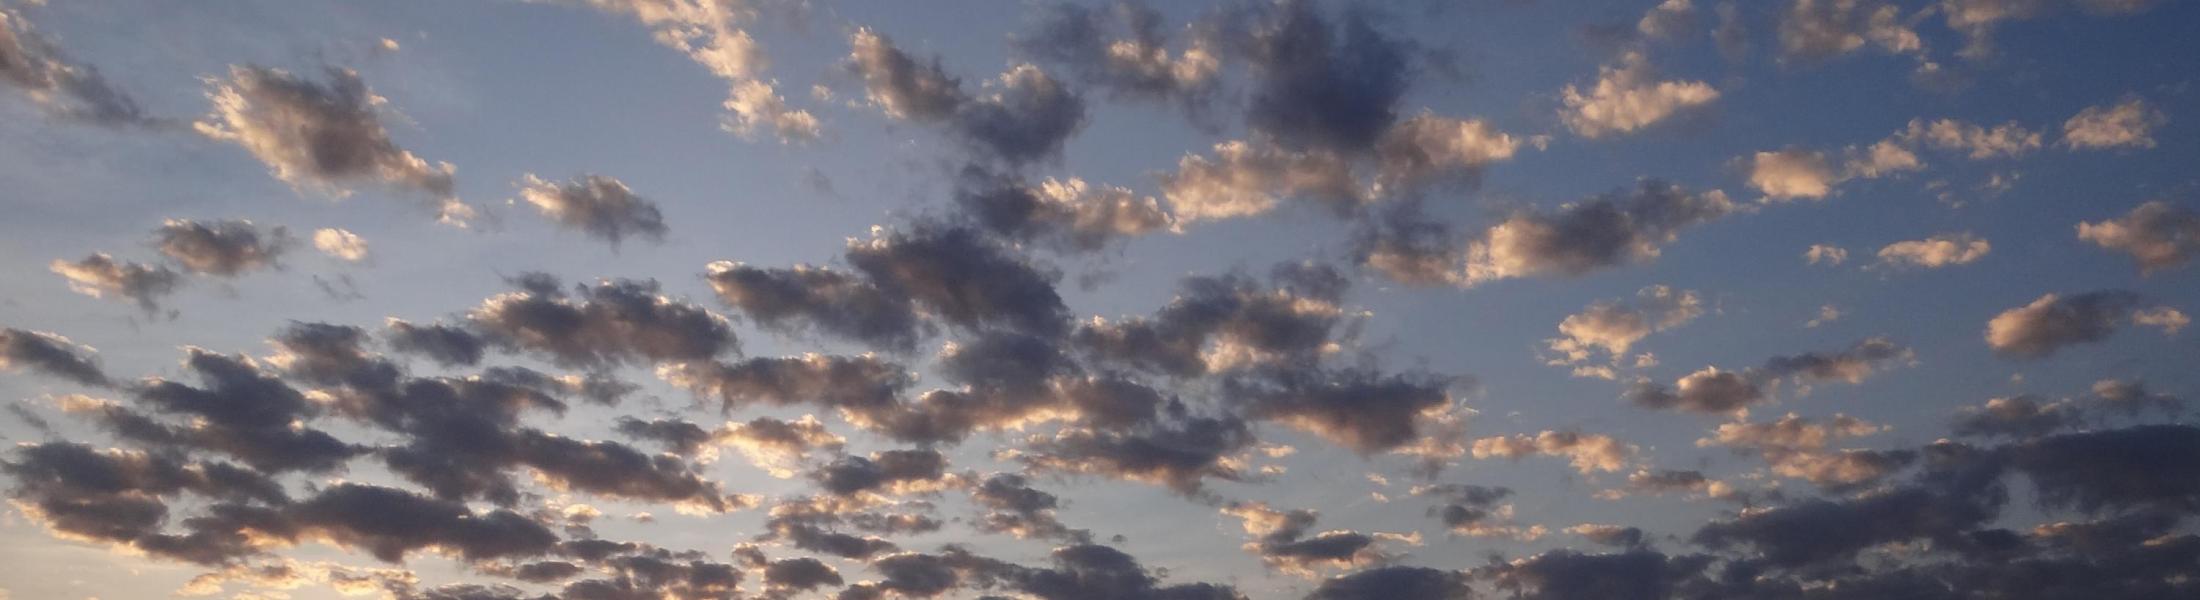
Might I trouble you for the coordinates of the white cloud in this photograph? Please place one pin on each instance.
(1629, 96)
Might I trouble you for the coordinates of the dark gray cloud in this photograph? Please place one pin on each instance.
(1318, 84)
(885, 471)
(2157, 235)
(610, 323)
(1465, 507)
(831, 301)
(1288, 322)
(100, 276)
(596, 205)
(1082, 572)
(1709, 391)
(1602, 232)
(2134, 397)
(50, 354)
(674, 435)
(1068, 215)
(1014, 507)
(242, 411)
(2016, 417)
(858, 383)
(1852, 364)
(390, 523)
(221, 248)
(1122, 49)
(1605, 231)
(32, 63)
(122, 497)
(328, 354)
(964, 278)
(1285, 541)
(447, 345)
(322, 135)
(1714, 391)
(2054, 322)
(1570, 575)
(1027, 118)
(1366, 411)
(794, 575)
(1958, 491)
(1180, 455)
(2147, 466)
(1395, 583)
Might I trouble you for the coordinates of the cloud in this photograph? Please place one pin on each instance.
(389, 523)
(2169, 320)
(1714, 391)
(2017, 417)
(1428, 147)
(2008, 140)
(1094, 572)
(1820, 29)
(832, 301)
(1614, 326)
(1794, 446)
(221, 248)
(1248, 178)
(1067, 214)
(710, 33)
(121, 497)
(794, 575)
(855, 382)
(341, 244)
(241, 410)
(324, 136)
(1227, 322)
(100, 276)
(962, 277)
(445, 344)
(1397, 582)
(610, 323)
(1284, 541)
(1706, 391)
(892, 470)
(596, 205)
(1123, 50)
(1822, 253)
(2157, 235)
(1588, 452)
(1319, 85)
(1629, 97)
(1940, 250)
(1475, 510)
(1977, 19)
(1792, 173)
(2131, 397)
(1014, 507)
(51, 354)
(1569, 574)
(1178, 455)
(2127, 124)
(1851, 365)
(1363, 410)
(1603, 232)
(2053, 322)
(1799, 173)
(1669, 19)
(32, 63)
(1027, 119)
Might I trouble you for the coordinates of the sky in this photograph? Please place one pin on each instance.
(1811, 299)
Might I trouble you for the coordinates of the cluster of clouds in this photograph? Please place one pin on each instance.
(229, 461)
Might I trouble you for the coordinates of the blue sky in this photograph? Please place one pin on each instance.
(2007, 184)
